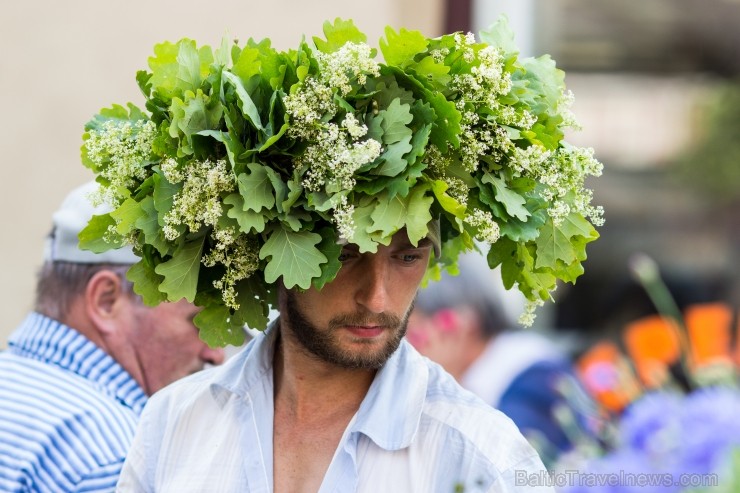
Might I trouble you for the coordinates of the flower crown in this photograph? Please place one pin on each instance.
(252, 163)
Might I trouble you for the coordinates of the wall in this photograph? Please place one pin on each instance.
(63, 61)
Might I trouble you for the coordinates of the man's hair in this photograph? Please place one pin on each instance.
(59, 284)
(475, 287)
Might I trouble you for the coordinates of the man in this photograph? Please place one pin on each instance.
(307, 180)
(462, 323)
(78, 370)
(331, 398)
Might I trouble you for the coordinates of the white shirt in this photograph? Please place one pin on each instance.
(416, 430)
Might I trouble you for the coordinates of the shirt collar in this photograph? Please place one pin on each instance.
(391, 411)
(45, 339)
(250, 368)
(403, 379)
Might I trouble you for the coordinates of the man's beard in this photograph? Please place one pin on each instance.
(323, 343)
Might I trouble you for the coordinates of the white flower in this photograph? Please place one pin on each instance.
(121, 150)
(198, 203)
(488, 229)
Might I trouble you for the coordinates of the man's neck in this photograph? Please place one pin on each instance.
(308, 387)
(314, 404)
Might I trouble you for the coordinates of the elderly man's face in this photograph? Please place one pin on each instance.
(358, 319)
(166, 343)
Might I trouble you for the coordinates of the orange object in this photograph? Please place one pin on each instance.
(607, 376)
(708, 328)
(653, 344)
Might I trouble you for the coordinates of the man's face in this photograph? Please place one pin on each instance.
(166, 344)
(359, 319)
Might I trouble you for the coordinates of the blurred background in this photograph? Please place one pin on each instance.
(657, 88)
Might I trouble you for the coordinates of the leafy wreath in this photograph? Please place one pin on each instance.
(250, 164)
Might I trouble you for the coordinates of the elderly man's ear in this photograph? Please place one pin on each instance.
(105, 299)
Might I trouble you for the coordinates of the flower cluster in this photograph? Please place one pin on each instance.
(198, 203)
(121, 151)
(254, 163)
(666, 408)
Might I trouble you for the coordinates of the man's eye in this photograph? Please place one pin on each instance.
(410, 257)
(346, 255)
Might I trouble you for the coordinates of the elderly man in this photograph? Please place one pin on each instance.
(78, 370)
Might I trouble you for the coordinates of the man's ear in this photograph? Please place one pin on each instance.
(104, 297)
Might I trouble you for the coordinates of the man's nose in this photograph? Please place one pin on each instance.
(372, 292)
(214, 356)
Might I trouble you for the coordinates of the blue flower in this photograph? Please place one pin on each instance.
(663, 437)
(710, 426)
(652, 424)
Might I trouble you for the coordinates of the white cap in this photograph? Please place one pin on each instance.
(71, 218)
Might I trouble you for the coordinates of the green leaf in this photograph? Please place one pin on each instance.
(553, 245)
(395, 122)
(95, 236)
(279, 186)
(531, 282)
(338, 34)
(269, 142)
(375, 127)
(419, 216)
(249, 109)
(195, 114)
(253, 299)
(256, 188)
(512, 201)
(575, 224)
(116, 113)
(181, 272)
(248, 63)
(248, 219)
(565, 242)
(164, 196)
(126, 215)
(499, 34)
(388, 90)
(393, 213)
(146, 283)
(523, 231)
(148, 224)
(449, 204)
(400, 48)
(427, 68)
(364, 230)
(331, 250)
(165, 68)
(188, 73)
(293, 256)
(392, 159)
(216, 327)
(446, 126)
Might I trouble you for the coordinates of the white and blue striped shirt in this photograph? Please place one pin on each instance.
(416, 431)
(68, 411)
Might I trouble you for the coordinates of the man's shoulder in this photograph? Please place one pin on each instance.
(463, 417)
(49, 386)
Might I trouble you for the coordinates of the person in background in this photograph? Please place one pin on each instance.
(463, 323)
(79, 369)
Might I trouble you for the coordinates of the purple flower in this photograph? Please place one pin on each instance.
(710, 427)
(652, 424)
(664, 436)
